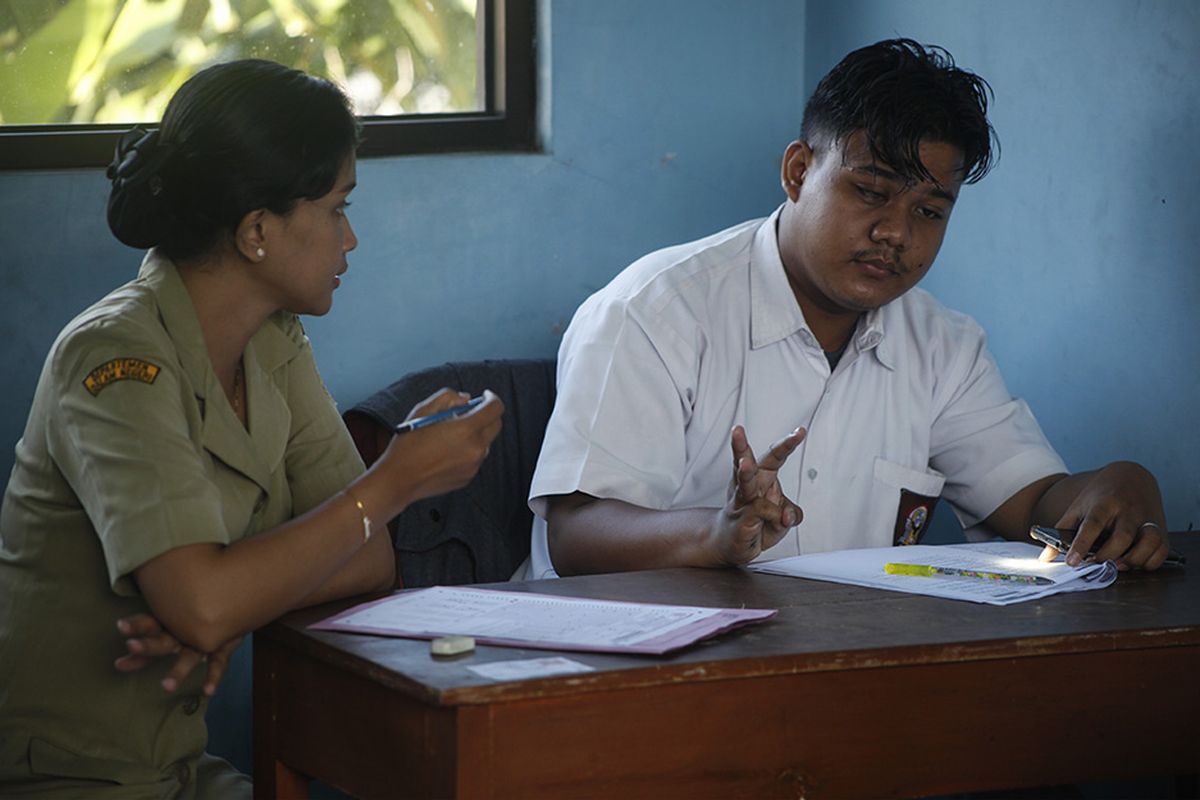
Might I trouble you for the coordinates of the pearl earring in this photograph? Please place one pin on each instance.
(260, 252)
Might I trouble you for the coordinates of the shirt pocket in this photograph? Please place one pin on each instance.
(904, 499)
(895, 476)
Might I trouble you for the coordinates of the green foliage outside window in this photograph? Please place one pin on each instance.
(119, 61)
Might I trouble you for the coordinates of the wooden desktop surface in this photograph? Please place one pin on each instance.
(846, 692)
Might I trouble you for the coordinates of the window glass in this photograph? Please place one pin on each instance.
(118, 62)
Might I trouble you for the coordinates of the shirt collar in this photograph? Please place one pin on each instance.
(271, 346)
(869, 335)
(774, 313)
(268, 349)
(255, 453)
(178, 317)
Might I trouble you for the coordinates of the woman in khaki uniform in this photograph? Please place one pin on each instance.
(183, 464)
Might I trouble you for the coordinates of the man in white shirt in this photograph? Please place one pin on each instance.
(801, 339)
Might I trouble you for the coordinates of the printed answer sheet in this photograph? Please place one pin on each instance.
(866, 568)
(543, 621)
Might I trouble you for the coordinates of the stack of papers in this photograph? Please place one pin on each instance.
(1007, 572)
(550, 622)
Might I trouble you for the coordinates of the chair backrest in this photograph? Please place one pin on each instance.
(479, 533)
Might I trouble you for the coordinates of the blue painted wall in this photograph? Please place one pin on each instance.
(1078, 252)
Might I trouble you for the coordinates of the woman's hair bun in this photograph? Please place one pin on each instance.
(236, 137)
(136, 207)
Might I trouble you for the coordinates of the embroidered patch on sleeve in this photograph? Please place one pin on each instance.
(120, 369)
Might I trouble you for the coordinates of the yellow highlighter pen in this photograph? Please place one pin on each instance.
(927, 571)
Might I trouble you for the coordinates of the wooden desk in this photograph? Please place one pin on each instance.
(847, 692)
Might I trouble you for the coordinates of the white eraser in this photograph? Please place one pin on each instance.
(452, 645)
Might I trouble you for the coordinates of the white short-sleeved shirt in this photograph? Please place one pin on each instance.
(657, 367)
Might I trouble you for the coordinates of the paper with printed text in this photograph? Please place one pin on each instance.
(525, 619)
(866, 568)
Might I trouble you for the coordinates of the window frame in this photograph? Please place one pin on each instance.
(507, 121)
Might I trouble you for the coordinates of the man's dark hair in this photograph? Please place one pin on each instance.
(899, 92)
(236, 137)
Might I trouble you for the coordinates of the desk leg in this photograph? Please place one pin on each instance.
(272, 778)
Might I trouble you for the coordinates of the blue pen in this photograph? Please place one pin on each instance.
(421, 422)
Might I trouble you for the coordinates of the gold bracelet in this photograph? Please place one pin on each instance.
(361, 510)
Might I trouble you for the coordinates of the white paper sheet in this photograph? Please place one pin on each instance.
(866, 568)
(538, 620)
(526, 668)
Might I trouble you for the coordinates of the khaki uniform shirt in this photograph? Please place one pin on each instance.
(131, 450)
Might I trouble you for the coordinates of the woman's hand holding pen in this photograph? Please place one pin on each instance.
(756, 514)
(445, 456)
(420, 463)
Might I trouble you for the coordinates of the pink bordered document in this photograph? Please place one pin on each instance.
(542, 621)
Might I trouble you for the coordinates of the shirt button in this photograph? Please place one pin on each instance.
(191, 705)
(812, 473)
(183, 773)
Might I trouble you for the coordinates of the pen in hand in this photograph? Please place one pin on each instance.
(448, 413)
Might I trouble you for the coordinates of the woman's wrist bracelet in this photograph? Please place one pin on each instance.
(366, 520)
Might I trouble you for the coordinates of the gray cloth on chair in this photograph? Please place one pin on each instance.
(479, 533)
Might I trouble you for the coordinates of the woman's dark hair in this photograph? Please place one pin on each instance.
(899, 92)
(236, 137)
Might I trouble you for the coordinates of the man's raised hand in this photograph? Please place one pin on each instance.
(757, 513)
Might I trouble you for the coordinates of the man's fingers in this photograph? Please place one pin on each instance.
(1069, 521)
(769, 513)
(793, 514)
(765, 514)
(771, 536)
(746, 487)
(1120, 543)
(1048, 553)
(1149, 550)
(1156, 559)
(1133, 558)
(741, 446)
(1089, 530)
(747, 535)
(781, 449)
(784, 516)
(763, 523)
(1119, 499)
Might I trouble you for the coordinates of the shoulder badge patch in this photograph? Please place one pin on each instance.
(120, 369)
